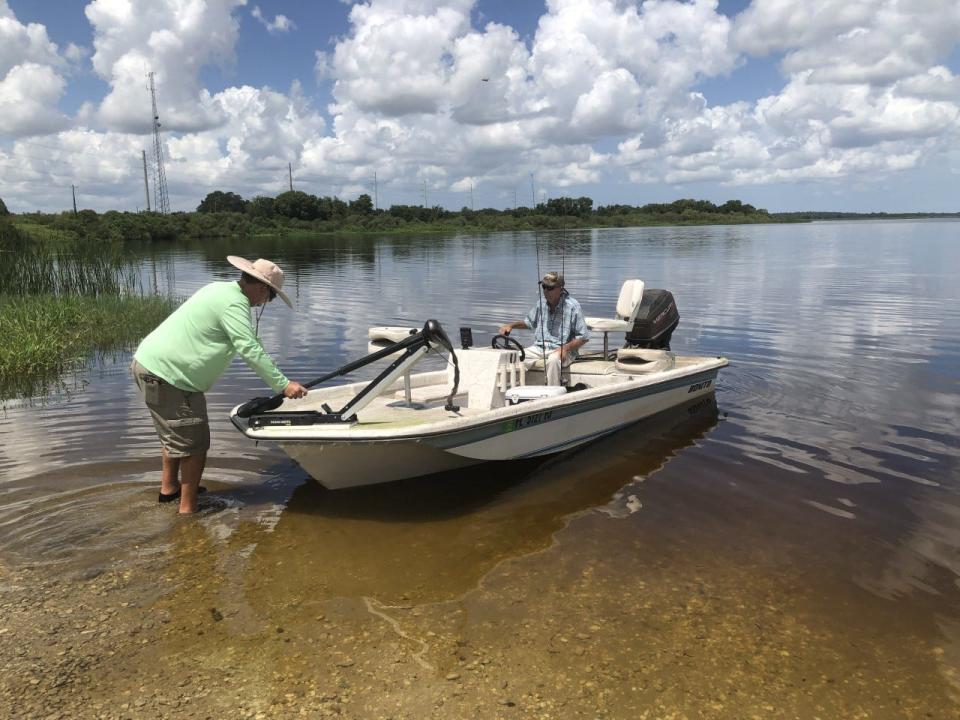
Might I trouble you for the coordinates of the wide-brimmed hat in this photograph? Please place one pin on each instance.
(552, 279)
(263, 270)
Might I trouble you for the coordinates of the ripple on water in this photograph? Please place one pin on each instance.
(761, 554)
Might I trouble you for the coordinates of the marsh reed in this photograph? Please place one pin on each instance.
(30, 266)
(61, 304)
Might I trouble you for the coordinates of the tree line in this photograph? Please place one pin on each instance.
(227, 214)
(299, 205)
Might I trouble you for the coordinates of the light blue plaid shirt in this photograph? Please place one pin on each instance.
(565, 321)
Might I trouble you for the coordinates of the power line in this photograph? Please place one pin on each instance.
(399, 191)
(14, 158)
(63, 148)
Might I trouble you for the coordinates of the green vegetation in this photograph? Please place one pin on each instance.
(49, 336)
(227, 215)
(63, 302)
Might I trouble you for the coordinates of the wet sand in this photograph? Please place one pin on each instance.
(608, 583)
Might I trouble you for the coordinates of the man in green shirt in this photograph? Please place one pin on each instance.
(182, 358)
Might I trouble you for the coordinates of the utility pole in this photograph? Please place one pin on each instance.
(161, 198)
(425, 193)
(514, 198)
(73, 188)
(290, 173)
(471, 196)
(146, 184)
(376, 196)
(533, 195)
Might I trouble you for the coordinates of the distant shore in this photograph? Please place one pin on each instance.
(227, 215)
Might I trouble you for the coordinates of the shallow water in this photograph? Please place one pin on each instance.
(791, 551)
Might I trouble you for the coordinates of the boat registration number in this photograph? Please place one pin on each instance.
(527, 421)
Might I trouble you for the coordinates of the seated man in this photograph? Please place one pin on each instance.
(558, 325)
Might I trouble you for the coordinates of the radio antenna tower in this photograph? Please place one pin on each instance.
(161, 200)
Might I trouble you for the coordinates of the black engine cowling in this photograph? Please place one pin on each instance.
(656, 320)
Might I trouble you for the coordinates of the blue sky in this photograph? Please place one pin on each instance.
(823, 106)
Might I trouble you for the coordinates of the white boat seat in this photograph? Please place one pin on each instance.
(385, 336)
(643, 360)
(628, 304)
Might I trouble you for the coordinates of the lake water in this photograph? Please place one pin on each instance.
(792, 551)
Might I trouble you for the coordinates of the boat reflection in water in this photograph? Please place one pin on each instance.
(434, 537)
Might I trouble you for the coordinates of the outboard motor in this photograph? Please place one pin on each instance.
(656, 320)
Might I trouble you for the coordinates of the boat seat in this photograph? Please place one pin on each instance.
(628, 304)
(384, 336)
(644, 360)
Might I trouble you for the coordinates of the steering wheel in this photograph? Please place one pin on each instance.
(505, 342)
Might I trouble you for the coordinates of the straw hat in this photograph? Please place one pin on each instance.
(264, 271)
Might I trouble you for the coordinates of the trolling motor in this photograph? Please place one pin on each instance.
(413, 348)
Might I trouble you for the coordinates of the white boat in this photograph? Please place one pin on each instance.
(489, 404)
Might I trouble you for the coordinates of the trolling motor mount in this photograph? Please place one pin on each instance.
(414, 347)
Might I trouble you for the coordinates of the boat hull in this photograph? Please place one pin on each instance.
(543, 432)
(530, 430)
(337, 466)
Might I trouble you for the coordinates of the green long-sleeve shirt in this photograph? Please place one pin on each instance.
(195, 344)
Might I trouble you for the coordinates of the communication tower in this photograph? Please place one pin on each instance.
(161, 200)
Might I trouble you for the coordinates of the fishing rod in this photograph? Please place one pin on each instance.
(543, 318)
(563, 293)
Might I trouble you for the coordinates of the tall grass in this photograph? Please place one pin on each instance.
(45, 337)
(60, 304)
(31, 266)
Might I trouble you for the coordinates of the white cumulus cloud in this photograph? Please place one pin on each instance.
(280, 23)
(173, 39)
(31, 78)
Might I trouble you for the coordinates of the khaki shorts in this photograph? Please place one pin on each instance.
(180, 417)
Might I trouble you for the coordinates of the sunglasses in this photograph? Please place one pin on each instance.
(548, 288)
(273, 293)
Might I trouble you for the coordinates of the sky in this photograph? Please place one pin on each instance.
(839, 105)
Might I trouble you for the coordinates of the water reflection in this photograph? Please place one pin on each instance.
(434, 538)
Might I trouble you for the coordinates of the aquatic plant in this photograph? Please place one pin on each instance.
(46, 337)
(45, 266)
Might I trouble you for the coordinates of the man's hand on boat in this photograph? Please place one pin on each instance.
(294, 390)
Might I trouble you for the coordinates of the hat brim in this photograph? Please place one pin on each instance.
(246, 266)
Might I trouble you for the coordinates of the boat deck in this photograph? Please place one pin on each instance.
(428, 393)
